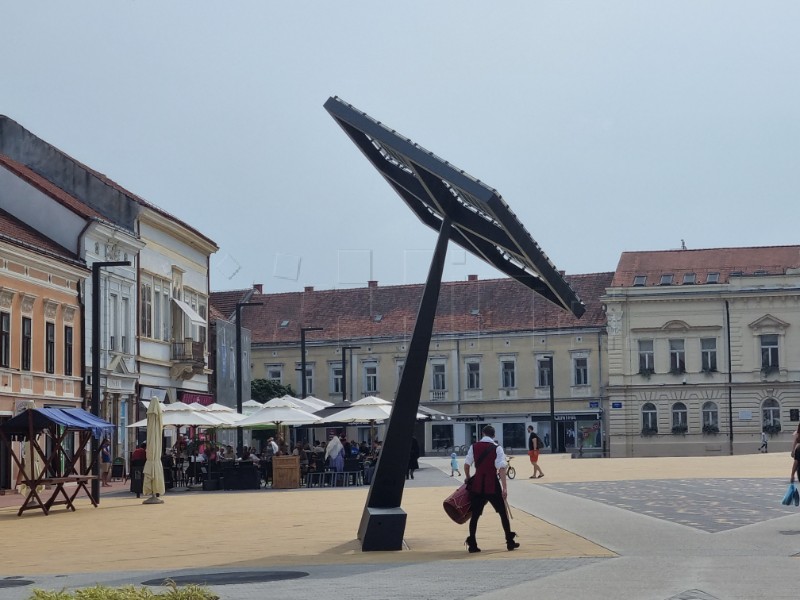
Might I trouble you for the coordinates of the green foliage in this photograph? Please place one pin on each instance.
(648, 431)
(679, 429)
(266, 389)
(100, 592)
(710, 429)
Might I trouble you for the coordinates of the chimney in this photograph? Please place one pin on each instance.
(258, 287)
(472, 278)
(372, 283)
(308, 288)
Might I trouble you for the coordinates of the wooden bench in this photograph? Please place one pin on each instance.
(34, 500)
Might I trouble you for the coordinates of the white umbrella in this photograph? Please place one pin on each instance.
(180, 418)
(315, 403)
(367, 410)
(153, 469)
(283, 412)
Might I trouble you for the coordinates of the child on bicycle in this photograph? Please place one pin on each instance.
(454, 464)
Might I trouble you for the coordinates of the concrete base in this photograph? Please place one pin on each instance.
(382, 529)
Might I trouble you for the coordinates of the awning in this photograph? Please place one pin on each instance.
(204, 399)
(194, 317)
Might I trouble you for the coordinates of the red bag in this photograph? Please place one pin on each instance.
(458, 505)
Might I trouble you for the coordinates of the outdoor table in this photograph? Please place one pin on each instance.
(34, 499)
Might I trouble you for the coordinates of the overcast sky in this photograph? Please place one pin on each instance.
(606, 126)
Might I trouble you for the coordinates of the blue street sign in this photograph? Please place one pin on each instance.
(616, 405)
(594, 404)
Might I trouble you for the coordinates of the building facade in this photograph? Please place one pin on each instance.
(489, 359)
(41, 320)
(704, 351)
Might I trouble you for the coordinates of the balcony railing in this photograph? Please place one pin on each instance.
(188, 351)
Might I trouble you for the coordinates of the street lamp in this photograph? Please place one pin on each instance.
(303, 358)
(344, 368)
(96, 364)
(239, 430)
(553, 435)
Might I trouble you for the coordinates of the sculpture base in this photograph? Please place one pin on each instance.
(382, 529)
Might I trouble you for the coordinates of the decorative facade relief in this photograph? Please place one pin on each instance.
(6, 298)
(50, 309)
(68, 312)
(27, 303)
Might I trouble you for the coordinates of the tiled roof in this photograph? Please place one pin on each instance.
(495, 305)
(14, 231)
(225, 302)
(772, 260)
(48, 188)
(113, 184)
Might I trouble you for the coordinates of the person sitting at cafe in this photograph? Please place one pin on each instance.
(253, 456)
(371, 461)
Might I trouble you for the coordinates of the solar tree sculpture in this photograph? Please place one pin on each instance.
(474, 216)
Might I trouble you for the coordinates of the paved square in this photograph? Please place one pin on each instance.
(711, 505)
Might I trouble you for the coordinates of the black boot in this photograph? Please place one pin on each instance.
(510, 543)
(472, 545)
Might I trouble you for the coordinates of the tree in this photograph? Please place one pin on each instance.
(266, 389)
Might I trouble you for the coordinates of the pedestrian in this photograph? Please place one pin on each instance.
(413, 458)
(105, 463)
(454, 465)
(487, 486)
(534, 445)
(763, 447)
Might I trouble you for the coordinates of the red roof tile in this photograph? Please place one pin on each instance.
(14, 231)
(496, 305)
(48, 188)
(749, 261)
(225, 302)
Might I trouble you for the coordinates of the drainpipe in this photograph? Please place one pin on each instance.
(458, 377)
(730, 375)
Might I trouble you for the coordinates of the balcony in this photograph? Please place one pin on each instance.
(188, 359)
(438, 395)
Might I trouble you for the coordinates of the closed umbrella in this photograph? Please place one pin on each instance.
(153, 469)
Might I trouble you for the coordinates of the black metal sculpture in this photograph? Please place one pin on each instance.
(475, 217)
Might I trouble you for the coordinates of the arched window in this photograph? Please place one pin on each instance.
(649, 419)
(710, 415)
(771, 415)
(680, 422)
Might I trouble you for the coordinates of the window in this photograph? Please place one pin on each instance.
(113, 321)
(581, 369)
(67, 350)
(646, 357)
(50, 347)
(309, 380)
(146, 325)
(712, 278)
(371, 377)
(677, 356)
(473, 375)
(336, 379)
(508, 375)
(441, 436)
(710, 416)
(438, 374)
(708, 354)
(400, 365)
(514, 435)
(543, 371)
(275, 373)
(649, 418)
(666, 279)
(771, 415)
(155, 309)
(689, 278)
(5, 339)
(680, 422)
(126, 325)
(639, 280)
(769, 353)
(27, 343)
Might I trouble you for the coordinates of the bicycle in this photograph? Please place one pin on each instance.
(511, 472)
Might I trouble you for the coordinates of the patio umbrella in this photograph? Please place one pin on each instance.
(153, 469)
(370, 409)
(280, 412)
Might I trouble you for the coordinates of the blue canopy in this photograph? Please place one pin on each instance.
(45, 418)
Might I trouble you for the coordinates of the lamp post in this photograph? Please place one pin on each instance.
(239, 430)
(303, 358)
(96, 364)
(553, 435)
(344, 368)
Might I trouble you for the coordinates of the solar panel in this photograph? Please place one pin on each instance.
(481, 221)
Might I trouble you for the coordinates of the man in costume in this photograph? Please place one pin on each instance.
(487, 486)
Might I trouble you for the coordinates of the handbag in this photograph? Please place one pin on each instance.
(790, 494)
(458, 505)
